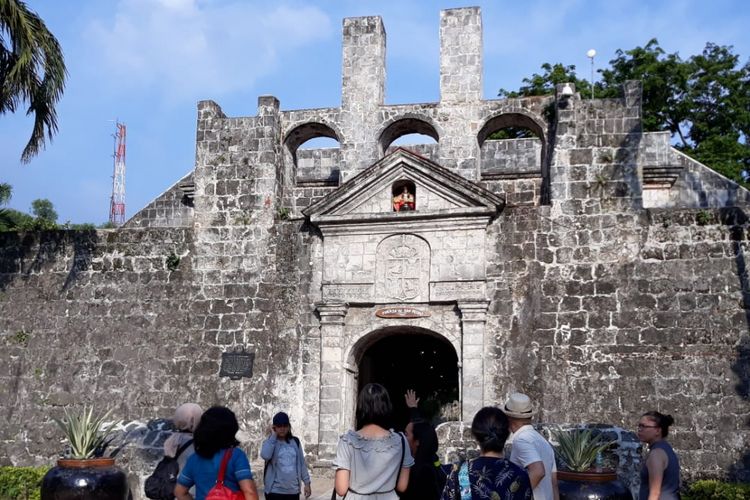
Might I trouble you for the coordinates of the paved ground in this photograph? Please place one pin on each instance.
(321, 488)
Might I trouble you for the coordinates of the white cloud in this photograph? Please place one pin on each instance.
(183, 48)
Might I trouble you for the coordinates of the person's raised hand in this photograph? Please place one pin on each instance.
(411, 398)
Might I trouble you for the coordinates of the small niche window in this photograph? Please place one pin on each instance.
(404, 196)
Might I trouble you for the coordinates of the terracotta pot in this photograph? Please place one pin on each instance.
(591, 485)
(90, 479)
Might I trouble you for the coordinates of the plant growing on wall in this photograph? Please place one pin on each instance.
(172, 261)
(284, 213)
(703, 217)
(22, 337)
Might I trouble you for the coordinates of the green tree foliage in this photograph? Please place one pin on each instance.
(13, 220)
(8, 217)
(665, 85)
(45, 216)
(703, 101)
(5, 193)
(32, 71)
(44, 210)
(544, 84)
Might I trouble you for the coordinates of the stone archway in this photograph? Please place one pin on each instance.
(409, 359)
(392, 356)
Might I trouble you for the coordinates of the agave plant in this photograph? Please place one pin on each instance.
(87, 435)
(579, 448)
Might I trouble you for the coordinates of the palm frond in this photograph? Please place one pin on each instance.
(32, 70)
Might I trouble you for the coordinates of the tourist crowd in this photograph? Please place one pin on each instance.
(373, 462)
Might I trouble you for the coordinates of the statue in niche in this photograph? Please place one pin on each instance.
(404, 201)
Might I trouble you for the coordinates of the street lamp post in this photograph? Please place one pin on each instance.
(590, 54)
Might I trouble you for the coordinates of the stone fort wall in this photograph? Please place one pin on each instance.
(615, 273)
(601, 321)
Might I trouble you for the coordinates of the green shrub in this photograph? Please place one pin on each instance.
(717, 490)
(21, 483)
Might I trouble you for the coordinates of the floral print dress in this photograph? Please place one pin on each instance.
(490, 478)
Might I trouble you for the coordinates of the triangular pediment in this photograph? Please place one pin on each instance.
(438, 193)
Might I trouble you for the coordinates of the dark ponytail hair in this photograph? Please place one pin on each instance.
(428, 441)
(490, 428)
(215, 431)
(661, 420)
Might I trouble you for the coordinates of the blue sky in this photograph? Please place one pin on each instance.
(148, 62)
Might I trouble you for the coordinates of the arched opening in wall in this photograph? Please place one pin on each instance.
(313, 155)
(413, 134)
(414, 359)
(512, 146)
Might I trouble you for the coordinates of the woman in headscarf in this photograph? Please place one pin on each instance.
(186, 419)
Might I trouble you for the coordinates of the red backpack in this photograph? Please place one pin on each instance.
(219, 491)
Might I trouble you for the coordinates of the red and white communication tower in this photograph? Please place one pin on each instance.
(117, 202)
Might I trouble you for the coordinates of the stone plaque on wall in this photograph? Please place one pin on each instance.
(457, 290)
(402, 269)
(356, 292)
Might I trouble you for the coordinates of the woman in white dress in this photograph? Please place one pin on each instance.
(373, 462)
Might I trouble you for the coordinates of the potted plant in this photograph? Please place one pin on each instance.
(581, 475)
(85, 473)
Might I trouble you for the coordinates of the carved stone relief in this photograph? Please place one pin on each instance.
(402, 269)
(457, 290)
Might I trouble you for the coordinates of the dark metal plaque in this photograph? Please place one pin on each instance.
(236, 365)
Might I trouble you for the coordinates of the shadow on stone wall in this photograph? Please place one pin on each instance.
(84, 245)
(24, 254)
(737, 220)
(733, 191)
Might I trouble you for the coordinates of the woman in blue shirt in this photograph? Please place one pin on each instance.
(214, 435)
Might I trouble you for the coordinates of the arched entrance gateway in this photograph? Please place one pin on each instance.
(402, 358)
(403, 294)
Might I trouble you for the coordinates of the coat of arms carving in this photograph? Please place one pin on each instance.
(403, 269)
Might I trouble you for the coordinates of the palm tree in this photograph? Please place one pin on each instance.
(5, 193)
(32, 70)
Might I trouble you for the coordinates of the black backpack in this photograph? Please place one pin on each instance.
(160, 484)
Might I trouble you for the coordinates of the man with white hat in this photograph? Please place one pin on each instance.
(530, 450)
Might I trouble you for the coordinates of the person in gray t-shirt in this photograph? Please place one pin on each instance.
(285, 462)
(373, 462)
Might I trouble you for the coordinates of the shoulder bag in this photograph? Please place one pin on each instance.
(219, 491)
